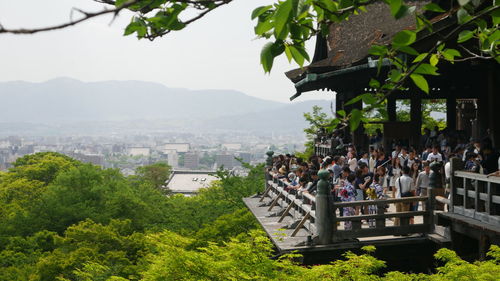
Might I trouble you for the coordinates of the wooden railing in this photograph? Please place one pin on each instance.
(382, 216)
(475, 195)
(302, 208)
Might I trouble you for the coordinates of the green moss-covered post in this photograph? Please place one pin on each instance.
(269, 160)
(436, 182)
(324, 222)
(269, 164)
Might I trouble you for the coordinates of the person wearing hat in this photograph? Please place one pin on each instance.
(281, 172)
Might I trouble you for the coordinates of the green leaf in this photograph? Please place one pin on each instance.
(302, 52)
(463, 2)
(369, 98)
(405, 11)
(421, 82)
(119, 3)
(426, 69)
(394, 75)
(281, 18)
(481, 23)
(302, 8)
(433, 7)
(297, 56)
(353, 100)
(374, 83)
(378, 50)
(395, 6)
(450, 54)
(266, 57)
(288, 53)
(408, 50)
(495, 16)
(137, 26)
(420, 57)
(341, 113)
(260, 10)
(355, 119)
(333, 124)
(263, 27)
(434, 60)
(404, 38)
(329, 5)
(465, 35)
(463, 16)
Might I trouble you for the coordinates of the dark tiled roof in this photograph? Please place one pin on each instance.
(349, 41)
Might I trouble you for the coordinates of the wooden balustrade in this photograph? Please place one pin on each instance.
(474, 195)
(379, 219)
(302, 209)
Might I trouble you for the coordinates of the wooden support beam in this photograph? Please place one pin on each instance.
(265, 193)
(287, 210)
(301, 224)
(275, 201)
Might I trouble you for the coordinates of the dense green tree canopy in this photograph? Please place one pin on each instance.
(85, 223)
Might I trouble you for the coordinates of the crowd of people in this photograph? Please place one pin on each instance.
(380, 174)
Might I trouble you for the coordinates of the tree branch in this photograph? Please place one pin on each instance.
(88, 15)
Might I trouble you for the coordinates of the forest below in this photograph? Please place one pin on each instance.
(61, 219)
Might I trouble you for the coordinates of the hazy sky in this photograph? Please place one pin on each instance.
(218, 52)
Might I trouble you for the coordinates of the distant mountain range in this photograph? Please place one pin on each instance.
(63, 102)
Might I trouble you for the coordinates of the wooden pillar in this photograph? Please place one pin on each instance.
(483, 113)
(339, 102)
(494, 104)
(358, 136)
(451, 113)
(391, 109)
(484, 246)
(416, 121)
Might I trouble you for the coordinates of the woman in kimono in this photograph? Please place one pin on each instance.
(348, 194)
(376, 191)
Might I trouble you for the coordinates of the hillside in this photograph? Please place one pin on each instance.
(67, 104)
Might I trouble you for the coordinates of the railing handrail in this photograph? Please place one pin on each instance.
(305, 204)
(305, 195)
(384, 215)
(476, 176)
(380, 201)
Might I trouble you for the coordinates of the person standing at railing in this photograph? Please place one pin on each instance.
(376, 191)
(395, 173)
(348, 194)
(313, 184)
(404, 188)
(422, 184)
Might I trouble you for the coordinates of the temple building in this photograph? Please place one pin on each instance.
(342, 63)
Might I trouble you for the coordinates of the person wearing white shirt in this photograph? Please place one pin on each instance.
(352, 162)
(435, 156)
(396, 151)
(404, 188)
(403, 157)
(422, 183)
(364, 159)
